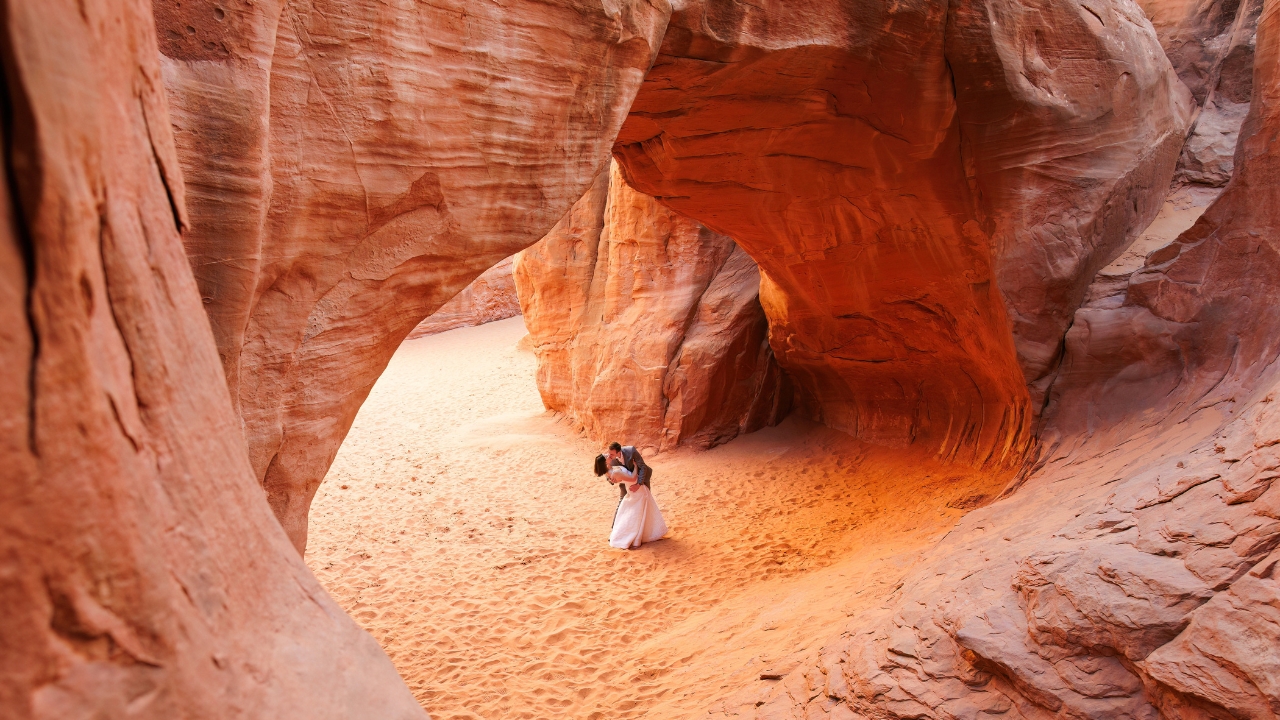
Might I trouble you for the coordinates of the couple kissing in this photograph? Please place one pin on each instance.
(637, 519)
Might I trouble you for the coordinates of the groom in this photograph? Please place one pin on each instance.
(629, 458)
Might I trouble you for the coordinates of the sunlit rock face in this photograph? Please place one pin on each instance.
(915, 181)
(355, 165)
(141, 573)
(492, 296)
(647, 325)
(1134, 574)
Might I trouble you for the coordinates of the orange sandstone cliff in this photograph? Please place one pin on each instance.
(927, 190)
(647, 325)
(1134, 574)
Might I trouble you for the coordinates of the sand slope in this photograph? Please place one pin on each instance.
(461, 525)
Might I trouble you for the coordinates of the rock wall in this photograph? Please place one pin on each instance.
(1209, 42)
(915, 180)
(492, 296)
(1211, 45)
(647, 325)
(357, 164)
(1134, 574)
(141, 573)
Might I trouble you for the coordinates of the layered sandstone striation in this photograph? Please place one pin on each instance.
(492, 296)
(356, 164)
(914, 181)
(1135, 573)
(141, 573)
(647, 325)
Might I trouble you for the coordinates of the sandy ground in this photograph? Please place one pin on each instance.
(461, 525)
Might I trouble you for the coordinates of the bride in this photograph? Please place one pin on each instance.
(638, 519)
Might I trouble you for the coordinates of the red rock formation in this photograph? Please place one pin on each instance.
(913, 181)
(1211, 45)
(141, 573)
(1063, 186)
(358, 165)
(1134, 575)
(647, 325)
(492, 296)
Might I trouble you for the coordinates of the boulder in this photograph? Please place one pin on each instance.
(1209, 155)
(492, 296)
(647, 326)
(142, 574)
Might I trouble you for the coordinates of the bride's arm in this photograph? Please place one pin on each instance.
(620, 474)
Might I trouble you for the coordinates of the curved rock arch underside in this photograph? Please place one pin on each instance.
(220, 218)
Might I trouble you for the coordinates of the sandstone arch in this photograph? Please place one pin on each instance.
(899, 189)
(892, 282)
(335, 211)
(1159, 474)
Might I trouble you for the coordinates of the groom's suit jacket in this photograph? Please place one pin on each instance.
(632, 461)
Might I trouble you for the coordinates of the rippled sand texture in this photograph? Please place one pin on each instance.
(461, 525)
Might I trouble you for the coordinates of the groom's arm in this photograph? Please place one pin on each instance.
(642, 470)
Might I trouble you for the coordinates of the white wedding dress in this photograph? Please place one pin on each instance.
(638, 519)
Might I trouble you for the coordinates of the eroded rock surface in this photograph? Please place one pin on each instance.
(492, 296)
(358, 164)
(1211, 46)
(141, 573)
(1209, 42)
(647, 325)
(1133, 575)
(919, 180)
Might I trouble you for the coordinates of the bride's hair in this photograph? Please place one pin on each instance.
(602, 466)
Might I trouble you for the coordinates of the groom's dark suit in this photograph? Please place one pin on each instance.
(632, 461)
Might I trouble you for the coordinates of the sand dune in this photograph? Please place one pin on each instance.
(461, 525)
